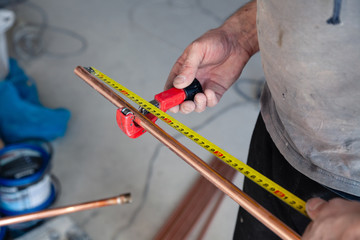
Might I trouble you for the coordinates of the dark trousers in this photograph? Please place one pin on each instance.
(266, 159)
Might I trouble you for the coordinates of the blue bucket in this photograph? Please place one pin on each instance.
(2, 233)
(25, 182)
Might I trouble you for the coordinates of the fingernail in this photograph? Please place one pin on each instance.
(314, 204)
(179, 80)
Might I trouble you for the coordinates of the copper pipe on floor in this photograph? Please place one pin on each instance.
(117, 200)
(188, 215)
(250, 205)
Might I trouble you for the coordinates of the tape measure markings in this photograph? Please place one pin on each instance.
(272, 187)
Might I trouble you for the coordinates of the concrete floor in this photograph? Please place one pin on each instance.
(135, 43)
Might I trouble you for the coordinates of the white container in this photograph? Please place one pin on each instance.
(7, 19)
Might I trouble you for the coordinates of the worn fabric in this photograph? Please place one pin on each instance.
(266, 158)
(310, 53)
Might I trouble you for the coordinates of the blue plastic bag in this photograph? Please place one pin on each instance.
(22, 116)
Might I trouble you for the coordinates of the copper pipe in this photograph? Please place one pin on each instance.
(117, 200)
(246, 202)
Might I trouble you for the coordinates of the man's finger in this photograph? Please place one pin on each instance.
(187, 107)
(175, 109)
(200, 102)
(211, 97)
(314, 206)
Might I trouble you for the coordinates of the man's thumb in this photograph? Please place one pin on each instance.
(314, 206)
(181, 81)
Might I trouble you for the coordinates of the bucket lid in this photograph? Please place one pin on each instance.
(22, 164)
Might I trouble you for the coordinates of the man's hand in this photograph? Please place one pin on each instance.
(216, 59)
(336, 219)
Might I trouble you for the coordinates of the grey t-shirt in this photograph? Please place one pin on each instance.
(311, 102)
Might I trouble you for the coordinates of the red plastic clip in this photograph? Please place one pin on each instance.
(125, 120)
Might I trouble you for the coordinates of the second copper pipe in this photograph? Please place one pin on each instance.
(117, 200)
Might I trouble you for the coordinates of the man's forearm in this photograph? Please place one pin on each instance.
(242, 26)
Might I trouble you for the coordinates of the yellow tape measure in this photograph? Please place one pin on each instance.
(286, 196)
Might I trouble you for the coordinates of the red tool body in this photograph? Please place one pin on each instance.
(164, 101)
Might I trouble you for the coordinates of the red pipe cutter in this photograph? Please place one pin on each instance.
(164, 101)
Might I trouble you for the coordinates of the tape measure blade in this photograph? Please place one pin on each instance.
(264, 182)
